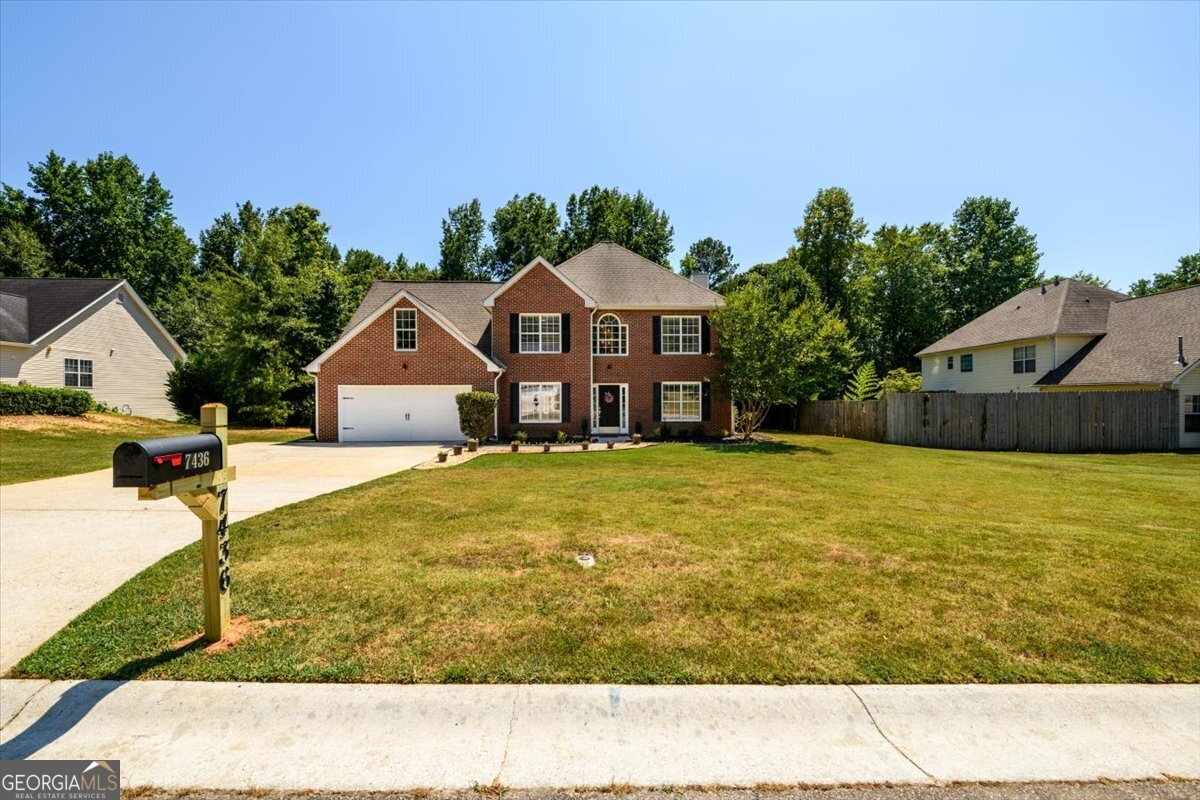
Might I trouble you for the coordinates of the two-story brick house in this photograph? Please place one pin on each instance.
(605, 342)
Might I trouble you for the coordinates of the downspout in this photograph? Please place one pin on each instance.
(496, 409)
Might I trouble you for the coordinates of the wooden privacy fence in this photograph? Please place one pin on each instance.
(1045, 422)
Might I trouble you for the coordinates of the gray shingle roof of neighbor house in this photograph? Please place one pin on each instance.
(460, 302)
(1066, 307)
(48, 302)
(616, 277)
(1141, 344)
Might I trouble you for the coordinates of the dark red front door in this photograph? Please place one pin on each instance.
(610, 406)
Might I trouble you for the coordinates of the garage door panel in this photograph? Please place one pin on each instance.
(426, 413)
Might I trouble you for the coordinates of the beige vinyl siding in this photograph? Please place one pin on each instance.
(1188, 384)
(130, 359)
(993, 366)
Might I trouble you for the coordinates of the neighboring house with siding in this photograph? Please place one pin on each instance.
(1072, 336)
(606, 343)
(86, 333)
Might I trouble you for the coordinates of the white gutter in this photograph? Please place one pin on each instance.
(496, 408)
(592, 374)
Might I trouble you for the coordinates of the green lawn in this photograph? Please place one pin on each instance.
(812, 560)
(32, 448)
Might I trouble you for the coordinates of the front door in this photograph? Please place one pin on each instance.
(609, 405)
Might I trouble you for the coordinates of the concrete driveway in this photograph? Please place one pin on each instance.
(67, 542)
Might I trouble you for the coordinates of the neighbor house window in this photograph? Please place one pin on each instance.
(949, 362)
(681, 334)
(681, 402)
(1191, 413)
(541, 402)
(406, 329)
(966, 363)
(541, 333)
(1025, 359)
(610, 337)
(77, 372)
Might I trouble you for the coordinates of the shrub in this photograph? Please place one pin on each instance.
(192, 384)
(44, 400)
(475, 413)
(584, 429)
(637, 427)
(521, 436)
(560, 437)
(899, 381)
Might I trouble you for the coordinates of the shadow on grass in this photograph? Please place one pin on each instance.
(768, 448)
(78, 701)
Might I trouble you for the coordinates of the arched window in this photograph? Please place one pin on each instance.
(610, 337)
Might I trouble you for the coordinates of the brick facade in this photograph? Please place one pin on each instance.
(370, 358)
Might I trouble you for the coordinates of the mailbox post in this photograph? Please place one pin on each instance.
(195, 469)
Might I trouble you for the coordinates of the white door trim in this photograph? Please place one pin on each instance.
(623, 428)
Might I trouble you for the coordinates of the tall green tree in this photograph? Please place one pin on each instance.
(1082, 276)
(828, 242)
(1186, 273)
(905, 307)
(523, 229)
(404, 270)
(713, 257)
(990, 257)
(777, 351)
(100, 219)
(463, 256)
(609, 215)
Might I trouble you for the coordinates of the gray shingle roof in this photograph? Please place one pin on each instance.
(1141, 344)
(1065, 308)
(48, 303)
(619, 278)
(460, 302)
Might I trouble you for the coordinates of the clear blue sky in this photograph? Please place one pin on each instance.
(729, 117)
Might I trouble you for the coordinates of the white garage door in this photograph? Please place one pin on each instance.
(399, 413)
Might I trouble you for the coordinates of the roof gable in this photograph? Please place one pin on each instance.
(620, 278)
(49, 302)
(1061, 308)
(525, 270)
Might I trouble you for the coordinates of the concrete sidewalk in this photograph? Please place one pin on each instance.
(67, 542)
(327, 737)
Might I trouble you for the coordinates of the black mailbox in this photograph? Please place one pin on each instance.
(155, 461)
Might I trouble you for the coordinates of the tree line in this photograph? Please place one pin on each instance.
(264, 291)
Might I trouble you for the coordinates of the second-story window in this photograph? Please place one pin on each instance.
(406, 329)
(541, 333)
(681, 334)
(610, 337)
(1024, 359)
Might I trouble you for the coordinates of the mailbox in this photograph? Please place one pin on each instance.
(154, 461)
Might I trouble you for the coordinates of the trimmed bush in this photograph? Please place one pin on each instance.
(44, 400)
(475, 413)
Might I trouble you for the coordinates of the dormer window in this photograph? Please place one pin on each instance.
(610, 337)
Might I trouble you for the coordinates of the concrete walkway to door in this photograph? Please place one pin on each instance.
(67, 542)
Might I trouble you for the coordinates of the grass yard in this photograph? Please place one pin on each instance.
(36, 447)
(812, 560)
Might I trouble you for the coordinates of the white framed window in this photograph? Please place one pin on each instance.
(406, 329)
(681, 402)
(610, 337)
(1024, 359)
(966, 362)
(541, 333)
(1191, 413)
(681, 334)
(77, 373)
(541, 402)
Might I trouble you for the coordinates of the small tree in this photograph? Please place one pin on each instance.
(475, 413)
(864, 385)
(900, 381)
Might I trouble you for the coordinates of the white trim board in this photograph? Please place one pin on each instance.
(490, 300)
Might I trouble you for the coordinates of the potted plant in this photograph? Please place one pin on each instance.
(584, 444)
(472, 445)
(458, 449)
(516, 446)
(611, 444)
(442, 454)
(637, 438)
(546, 447)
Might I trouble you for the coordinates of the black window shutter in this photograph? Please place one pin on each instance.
(705, 338)
(657, 341)
(705, 401)
(514, 402)
(657, 398)
(566, 333)
(514, 333)
(566, 402)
